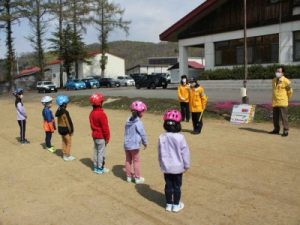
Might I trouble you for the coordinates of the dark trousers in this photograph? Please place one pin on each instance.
(197, 125)
(48, 136)
(185, 111)
(173, 188)
(280, 113)
(22, 125)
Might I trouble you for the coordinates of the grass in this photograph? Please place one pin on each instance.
(219, 110)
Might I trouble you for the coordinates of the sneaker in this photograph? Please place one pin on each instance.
(177, 208)
(169, 207)
(69, 158)
(25, 142)
(52, 149)
(139, 180)
(274, 132)
(285, 134)
(129, 179)
(101, 170)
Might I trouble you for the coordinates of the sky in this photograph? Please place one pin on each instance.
(149, 18)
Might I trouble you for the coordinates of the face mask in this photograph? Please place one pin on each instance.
(183, 80)
(278, 74)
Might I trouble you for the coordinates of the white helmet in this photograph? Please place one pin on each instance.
(46, 99)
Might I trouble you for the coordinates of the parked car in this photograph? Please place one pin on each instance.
(109, 82)
(152, 81)
(126, 81)
(45, 86)
(165, 75)
(75, 85)
(91, 83)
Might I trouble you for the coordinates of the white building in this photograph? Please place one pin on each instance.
(217, 26)
(115, 67)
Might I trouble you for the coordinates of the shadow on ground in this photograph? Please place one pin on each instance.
(152, 195)
(254, 130)
(118, 171)
(88, 162)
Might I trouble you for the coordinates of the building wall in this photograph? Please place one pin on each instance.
(149, 69)
(285, 31)
(53, 74)
(175, 75)
(115, 67)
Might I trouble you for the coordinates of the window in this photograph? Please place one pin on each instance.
(261, 49)
(297, 46)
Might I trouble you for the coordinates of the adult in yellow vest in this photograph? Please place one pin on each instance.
(282, 91)
(183, 98)
(198, 100)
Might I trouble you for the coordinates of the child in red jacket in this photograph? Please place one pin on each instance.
(100, 132)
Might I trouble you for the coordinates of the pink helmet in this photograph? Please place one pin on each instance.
(138, 106)
(172, 114)
(96, 99)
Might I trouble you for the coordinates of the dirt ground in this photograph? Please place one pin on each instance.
(239, 175)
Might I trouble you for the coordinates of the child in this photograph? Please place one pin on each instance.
(183, 97)
(100, 132)
(21, 114)
(174, 159)
(65, 126)
(134, 136)
(198, 101)
(49, 123)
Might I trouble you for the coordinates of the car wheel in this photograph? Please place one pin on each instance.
(152, 85)
(164, 87)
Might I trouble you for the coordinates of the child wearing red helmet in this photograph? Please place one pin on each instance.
(135, 135)
(100, 132)
(174, 159)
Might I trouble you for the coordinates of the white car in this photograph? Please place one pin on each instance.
(126, 81)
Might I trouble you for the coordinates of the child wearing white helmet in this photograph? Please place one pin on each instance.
(135, 135)
(48, 123)
(174, 159)
(21, 114)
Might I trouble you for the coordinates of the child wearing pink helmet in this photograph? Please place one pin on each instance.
(174, 159)
(134, 136)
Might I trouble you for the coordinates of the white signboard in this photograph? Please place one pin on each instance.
(243, 113)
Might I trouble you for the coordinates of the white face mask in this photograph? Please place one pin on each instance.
(183, 80)
(278, 74)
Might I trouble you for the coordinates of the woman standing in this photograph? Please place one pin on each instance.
(183, 97)
(198, 100)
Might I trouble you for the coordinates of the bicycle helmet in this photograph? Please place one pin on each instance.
(173, 115)
(46, 99)
(138, 106)
(96, 99)
(62, 99)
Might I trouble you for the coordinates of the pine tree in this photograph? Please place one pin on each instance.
(108, 17)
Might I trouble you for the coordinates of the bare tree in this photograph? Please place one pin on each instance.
(107, 17)
(12, 11)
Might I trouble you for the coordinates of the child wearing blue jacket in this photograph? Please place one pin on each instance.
(135, 135)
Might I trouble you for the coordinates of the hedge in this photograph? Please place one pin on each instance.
(254, 72)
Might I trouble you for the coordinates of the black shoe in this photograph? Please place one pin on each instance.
(25, 142)
(285, 134)
(274, 132)
(195, 132)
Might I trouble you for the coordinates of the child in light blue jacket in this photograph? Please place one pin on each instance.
(134, 136)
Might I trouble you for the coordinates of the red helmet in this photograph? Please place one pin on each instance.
(96, 99)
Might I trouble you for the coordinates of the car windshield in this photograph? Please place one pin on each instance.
(76, 81)
(48, 82)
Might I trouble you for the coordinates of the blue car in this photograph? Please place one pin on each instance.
(75, 85)
(91, 83)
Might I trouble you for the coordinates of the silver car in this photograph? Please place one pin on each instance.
(126, 81)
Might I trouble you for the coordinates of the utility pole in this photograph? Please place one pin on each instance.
(245, 99)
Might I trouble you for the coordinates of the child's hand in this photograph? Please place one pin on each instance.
(145, 146)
